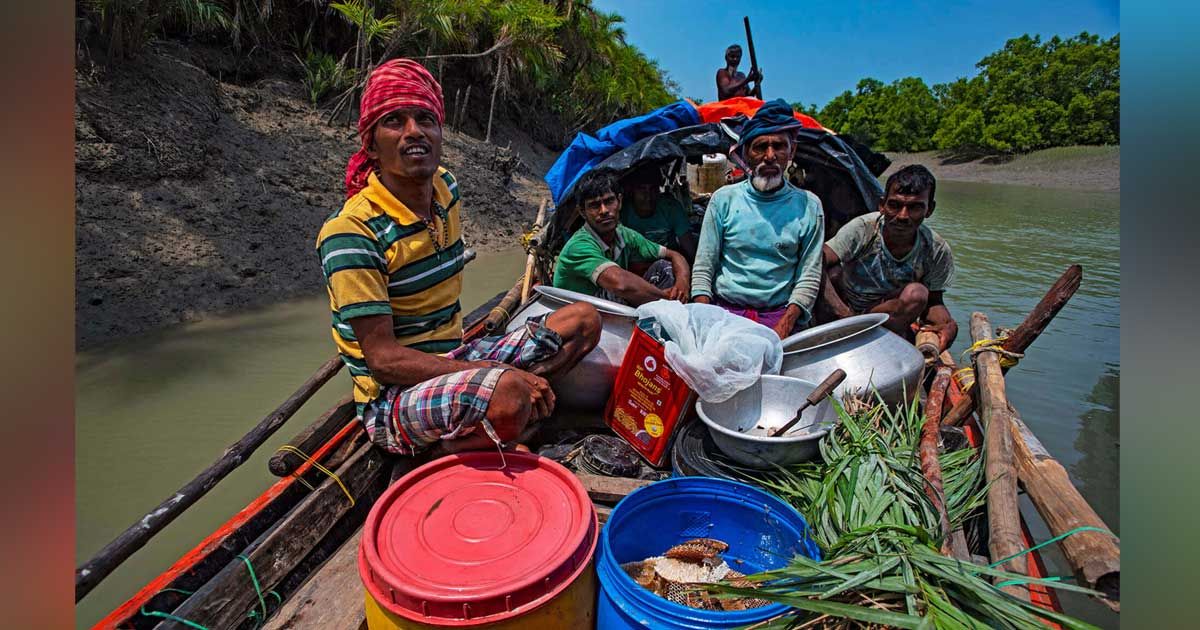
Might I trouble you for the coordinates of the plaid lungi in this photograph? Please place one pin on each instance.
(409, 419)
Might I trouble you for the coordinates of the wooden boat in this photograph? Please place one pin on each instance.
(301, 538)
(289, 558)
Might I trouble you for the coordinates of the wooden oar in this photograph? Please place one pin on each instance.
(90, 573)
(817, 395)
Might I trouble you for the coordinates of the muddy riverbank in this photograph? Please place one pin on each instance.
(197, 196)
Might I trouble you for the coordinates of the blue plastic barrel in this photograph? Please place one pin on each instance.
(762, 531)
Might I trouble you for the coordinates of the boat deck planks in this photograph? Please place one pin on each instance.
(609, 489)
(331, 598)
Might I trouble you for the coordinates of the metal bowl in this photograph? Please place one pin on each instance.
(740, 425)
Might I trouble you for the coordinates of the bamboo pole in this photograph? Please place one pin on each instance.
(954, 544)
(502, 312)
(1094, 556)
(529, 261)
(92, 572)
(1024, 335)
(285, 462)
(1004, 514)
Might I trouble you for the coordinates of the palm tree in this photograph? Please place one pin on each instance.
(361, 13)
(531, 27)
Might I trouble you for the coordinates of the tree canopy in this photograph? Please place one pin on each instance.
(1028, 95)
(564, 57)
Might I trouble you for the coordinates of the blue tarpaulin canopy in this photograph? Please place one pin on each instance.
(585, 151)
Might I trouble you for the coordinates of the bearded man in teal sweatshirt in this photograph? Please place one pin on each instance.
(759, 254)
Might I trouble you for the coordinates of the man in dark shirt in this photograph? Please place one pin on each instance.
(730, 82)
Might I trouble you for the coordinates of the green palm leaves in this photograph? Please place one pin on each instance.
(867, 508)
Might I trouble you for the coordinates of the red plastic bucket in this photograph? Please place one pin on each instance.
(463, 541)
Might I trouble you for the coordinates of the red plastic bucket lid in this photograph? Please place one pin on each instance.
(464, 541)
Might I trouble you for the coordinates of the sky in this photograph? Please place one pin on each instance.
(813, 51)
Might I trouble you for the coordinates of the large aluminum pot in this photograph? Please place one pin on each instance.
(740, 425)
(870, 354)
(588, 384)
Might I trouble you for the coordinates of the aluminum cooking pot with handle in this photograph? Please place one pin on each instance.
(871, 355)
(587, 385)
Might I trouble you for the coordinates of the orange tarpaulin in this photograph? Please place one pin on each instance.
(715, 111)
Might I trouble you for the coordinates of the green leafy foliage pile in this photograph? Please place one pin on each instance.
(1028, 95)
(866, 505)
(564, 57)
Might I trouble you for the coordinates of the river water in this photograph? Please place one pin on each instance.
(152, 413)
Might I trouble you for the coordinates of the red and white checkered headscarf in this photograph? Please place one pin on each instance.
(395, 84)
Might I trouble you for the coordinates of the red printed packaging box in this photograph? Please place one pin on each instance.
(648, 400)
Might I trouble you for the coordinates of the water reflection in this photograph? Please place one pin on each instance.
(1098, 471)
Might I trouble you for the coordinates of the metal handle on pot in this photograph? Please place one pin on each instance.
(824, 389)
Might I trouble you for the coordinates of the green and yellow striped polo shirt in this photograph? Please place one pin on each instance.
(379, 259)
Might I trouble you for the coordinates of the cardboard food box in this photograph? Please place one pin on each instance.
(648, 400)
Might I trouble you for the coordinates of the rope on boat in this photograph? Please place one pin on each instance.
(253, 614)
(1008, 358)
(527, 239)
(1053, 540)
(288, 448)
(965, 378)
(169, 616)
(498, 308)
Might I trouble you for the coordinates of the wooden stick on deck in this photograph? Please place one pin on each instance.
(528, 279)
(954, 544)
(1024, 335)
(225, 599)
(1094, 556)
(1004, 514)
(89, 574)
(285, 462)
(502, 312)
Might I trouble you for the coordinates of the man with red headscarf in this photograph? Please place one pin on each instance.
(393, 259)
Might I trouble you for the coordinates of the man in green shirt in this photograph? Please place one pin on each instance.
(660, 218)
(596, 259)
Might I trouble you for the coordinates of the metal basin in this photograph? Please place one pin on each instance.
(587, 385)
(740, 425)
(871, 355)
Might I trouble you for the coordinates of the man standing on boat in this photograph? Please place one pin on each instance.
(890, 262)
(760, 245)
(393, 259)
(730, 82)
(597, 258)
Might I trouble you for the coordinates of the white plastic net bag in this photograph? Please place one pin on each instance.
(714, 351)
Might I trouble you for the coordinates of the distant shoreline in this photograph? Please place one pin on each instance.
(1076, 168)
